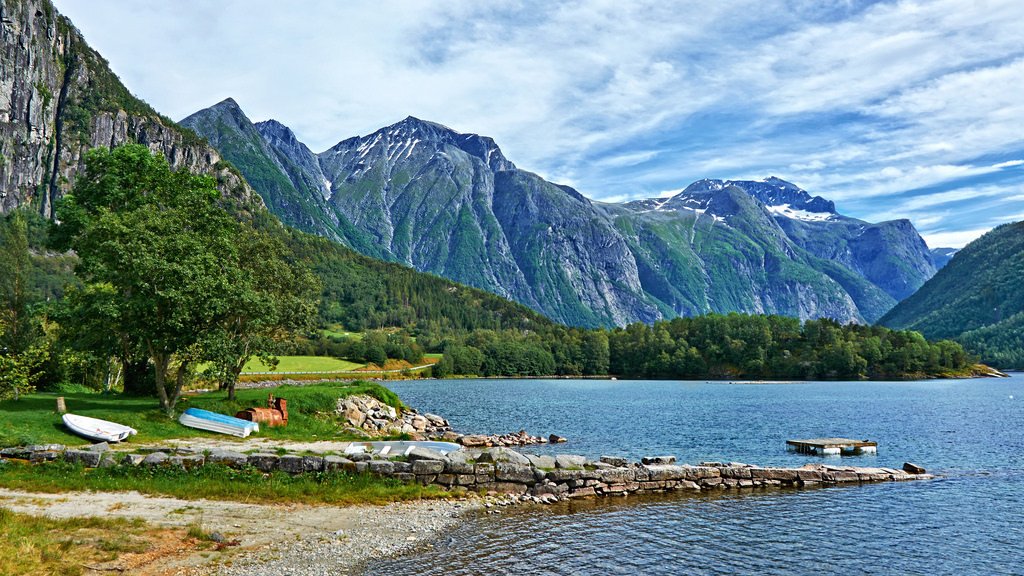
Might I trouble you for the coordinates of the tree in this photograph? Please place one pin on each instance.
(23, 346)
(165, 265)
(274, 298)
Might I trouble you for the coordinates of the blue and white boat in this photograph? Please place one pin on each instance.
(214, 422)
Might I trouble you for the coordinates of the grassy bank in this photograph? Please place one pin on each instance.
(216, 482)
(34, 420)
(41, 545)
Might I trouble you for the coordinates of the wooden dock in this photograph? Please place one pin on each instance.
(833, 446)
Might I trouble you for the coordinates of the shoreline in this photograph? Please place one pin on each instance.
(274, 539)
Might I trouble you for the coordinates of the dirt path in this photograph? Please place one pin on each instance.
(274, 539)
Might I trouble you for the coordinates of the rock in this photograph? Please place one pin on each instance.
(545, 462)
(227, 458)
(101, 447)
(658, 460)
(187, 462)
(154, 459)
(424, 467)
(569, 461)
(474, 441)
(291, 464)
(614, 461)
(403, 467)
(312, 463)
(132, 459)
(419, 423)
(360, 457)
(353, 416)
(335, 463)
(264, 462)
(508, 472)
(43, 448)
(108, 460)
(421, 453)
(556, 439)
(46, 456)
(910, 468)
(500, 454)
(381, 467)
(436, 420)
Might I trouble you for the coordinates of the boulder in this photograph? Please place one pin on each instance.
(108, 460)
(556, 439)
(508, 472)
(474, 440)
(154, 459)
(569, 461)
(545, 462)
(910, 468)
(658, 460)
(427, 467)
(44, 456)
(227, 458)
(132, 459)
(291, 464)
(100, 447)
(421, 453)
(335, 463)
(187, 462)
(614, 461)
(502, 455)
(264, 462)
(381, 467)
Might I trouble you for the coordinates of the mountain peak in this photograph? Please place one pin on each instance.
(228, 103)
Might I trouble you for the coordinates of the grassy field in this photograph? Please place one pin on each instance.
(339, 332)
(304, 364)
(41, 545)
(217, 483)
(33, 419)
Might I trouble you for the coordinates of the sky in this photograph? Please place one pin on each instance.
(909, 109)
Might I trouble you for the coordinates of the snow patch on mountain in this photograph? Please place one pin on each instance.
(797, 214)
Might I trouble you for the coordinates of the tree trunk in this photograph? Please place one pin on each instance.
(179, 383)
(160, 362)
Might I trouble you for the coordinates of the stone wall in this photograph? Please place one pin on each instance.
(544, 479)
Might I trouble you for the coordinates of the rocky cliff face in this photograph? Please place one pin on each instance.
(59, 98)
(453, 205)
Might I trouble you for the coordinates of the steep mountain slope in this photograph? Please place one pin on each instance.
(715, 246)
(452, 204)
(285, 172)
(59, 98)
(976, 299)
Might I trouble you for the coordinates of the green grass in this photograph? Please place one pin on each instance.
(33, 419)
(217, 482)
(303, 364)
(336, 331)
(41, 545)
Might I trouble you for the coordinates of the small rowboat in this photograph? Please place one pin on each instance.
(96, 429)
(214, 422)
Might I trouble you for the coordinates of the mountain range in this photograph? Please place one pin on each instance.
(976, 299)
(452, 204)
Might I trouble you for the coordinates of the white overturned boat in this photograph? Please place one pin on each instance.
(96, 429)
(214, 422)
(400, 447)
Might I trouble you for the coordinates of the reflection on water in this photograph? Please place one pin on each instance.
(966, 522)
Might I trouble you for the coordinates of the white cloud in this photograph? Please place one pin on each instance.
(953, 239)
(852, 101)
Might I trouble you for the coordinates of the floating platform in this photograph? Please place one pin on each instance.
(833, 446)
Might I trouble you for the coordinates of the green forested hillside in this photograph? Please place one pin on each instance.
(976, 299)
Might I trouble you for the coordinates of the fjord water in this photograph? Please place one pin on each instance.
(967, 521)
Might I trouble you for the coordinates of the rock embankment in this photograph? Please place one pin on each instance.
(543, 479)
(365, 414)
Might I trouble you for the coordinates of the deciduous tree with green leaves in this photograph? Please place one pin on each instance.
(167, 268)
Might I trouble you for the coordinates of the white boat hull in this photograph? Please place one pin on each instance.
(96, 429)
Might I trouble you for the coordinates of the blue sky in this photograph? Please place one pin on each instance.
(891, 109)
